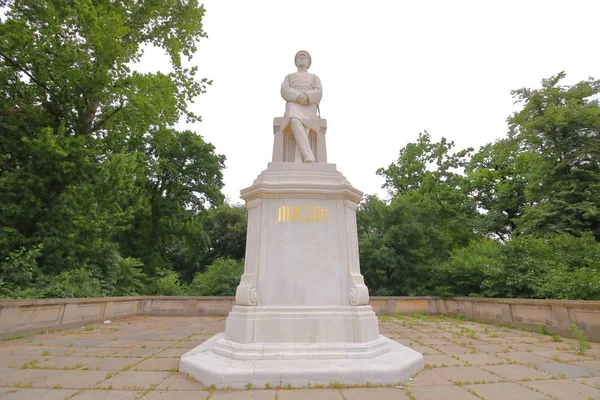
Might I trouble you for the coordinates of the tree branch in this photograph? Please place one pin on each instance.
(100, 124)
(16, 65)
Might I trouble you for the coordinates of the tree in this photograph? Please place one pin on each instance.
(422, 159)
(226, 227)
(496, 177)
(429, 214)
(559, 127)
(91, 166)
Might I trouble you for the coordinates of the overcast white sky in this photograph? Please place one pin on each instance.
(390, 69)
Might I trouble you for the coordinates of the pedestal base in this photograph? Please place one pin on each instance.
(260, 332)
(210, 368)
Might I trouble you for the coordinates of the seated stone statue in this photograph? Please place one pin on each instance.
(302, 92)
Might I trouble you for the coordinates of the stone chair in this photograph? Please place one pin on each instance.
(284, 145)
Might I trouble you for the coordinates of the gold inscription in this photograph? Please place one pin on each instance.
(302, 214)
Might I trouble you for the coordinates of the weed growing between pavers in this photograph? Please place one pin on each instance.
(582, 343)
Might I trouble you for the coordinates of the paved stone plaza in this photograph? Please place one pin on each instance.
(138, 358)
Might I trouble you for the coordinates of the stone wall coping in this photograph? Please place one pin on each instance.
(496, 300)
(34, 302)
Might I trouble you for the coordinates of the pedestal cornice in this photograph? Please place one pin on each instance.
(281, 180)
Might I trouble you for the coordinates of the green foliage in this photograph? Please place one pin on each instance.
(128, 279)
(429, 214)
(582, 343)
(102, 195)
(19, 270)
(572, 269)
(91, 165)
(226, 228)
(464, 272)
(519, 218)
(559, 129)
(496, 179)
(562, 267)
(220, 279)
(79, 282)
(556, 337)
(167, 284)
(424, 164)
(544, 330)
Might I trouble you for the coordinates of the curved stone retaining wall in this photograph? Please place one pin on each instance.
(25, 316)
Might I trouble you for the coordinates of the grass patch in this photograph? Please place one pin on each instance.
(544, 331)
(556, 337)
(13, 337)
(32, 364)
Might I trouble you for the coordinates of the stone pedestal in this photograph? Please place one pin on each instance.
(302, 313)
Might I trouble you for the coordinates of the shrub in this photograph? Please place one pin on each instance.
(220, 279)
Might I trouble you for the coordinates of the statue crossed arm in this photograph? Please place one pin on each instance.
(302, 92)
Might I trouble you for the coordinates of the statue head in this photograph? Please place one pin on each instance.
(303, 59)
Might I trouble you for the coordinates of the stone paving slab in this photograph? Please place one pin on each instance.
(568, 370)
(179, 395)
(64, 362)
(480, 359)
(373, 393)
(466, 375)
(593, 365)
(17, 377)
(565, 389)
(158, 364)
(522, 358)
(112, 364)
(453, 349)
(441, 392)
(301, 394)
(34, 393)
(490, 349)
(176, 382)
(92, 394)
(442, 360)
(426, 351)
(506, 390)
(89, 352)
(138, 352)
(71, 379)
(514, 372)
(593, 382)
(134, 380)
(137, 358)
(562, 356)
(252, 395)
(429, 378)
(17, 361)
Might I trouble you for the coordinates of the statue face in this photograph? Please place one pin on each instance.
(302, 61)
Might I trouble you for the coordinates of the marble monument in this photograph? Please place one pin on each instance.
(301, 313)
